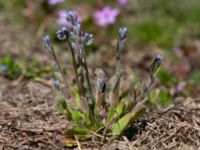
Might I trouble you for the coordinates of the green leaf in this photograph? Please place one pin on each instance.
(76, 115)
(115, 88)
(126, 120)
(87, 120)
(62, 107)
(81, 132)
(138, 114)
(124, 94)
(121, 124)
(119, 109)
(76, 96)
(165, 98)
(166, 77)
(153, 96)
(76, 130)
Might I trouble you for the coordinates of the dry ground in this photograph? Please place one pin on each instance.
(29, 121)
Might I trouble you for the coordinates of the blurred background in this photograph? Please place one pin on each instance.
(169, 27)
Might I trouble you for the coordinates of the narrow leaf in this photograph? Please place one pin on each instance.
(76, 96)
(76, 130)
(62, 107)
(126, 120)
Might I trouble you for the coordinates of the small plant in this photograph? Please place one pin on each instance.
(13, 69)
(103, 111)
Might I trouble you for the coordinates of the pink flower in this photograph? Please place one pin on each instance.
(106, 16)
(179, 87)
(178, 51)
(122, 2)
(54, 2)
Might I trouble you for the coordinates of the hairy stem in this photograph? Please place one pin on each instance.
(74, 64)
(117, 57)
(87, 74)
(59, 67)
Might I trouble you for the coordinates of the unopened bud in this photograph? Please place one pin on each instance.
(156, 64)
(88, 39)
(71, 16)
(122, 36)
(62, 33)
(46, 42)
(123, 33)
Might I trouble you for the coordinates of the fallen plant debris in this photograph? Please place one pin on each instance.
(39, 126)
(176, 127)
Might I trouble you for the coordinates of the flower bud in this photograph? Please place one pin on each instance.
(123, 33)
(156, 64)
(101, 85)
(122, 36)
(77, 28)
(71, 16)
(46, 42)
(62, 33)
(88, 39)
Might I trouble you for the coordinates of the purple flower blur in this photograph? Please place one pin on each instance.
(106, 16)
(3, 67)
(178, 51)
(179, 87)
(62, 18)
(54, 2)
(122, 2)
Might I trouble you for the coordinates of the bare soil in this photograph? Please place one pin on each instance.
(29, 121)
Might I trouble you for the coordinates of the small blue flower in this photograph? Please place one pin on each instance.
(3, 67)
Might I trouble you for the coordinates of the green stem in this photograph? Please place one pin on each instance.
(87, 73)
(81, 76)
(74, 64)
(145, 91)
(117, 57)
(59, 67)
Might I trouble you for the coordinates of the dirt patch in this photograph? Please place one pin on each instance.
(176, 127)
(29, 121)
(28, 118)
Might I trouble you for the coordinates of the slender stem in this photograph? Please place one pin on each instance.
(59, 67)
(82, 90)
(144, 92)
(87, 73)
(117, 57)
(86, 70)
(74, 63)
